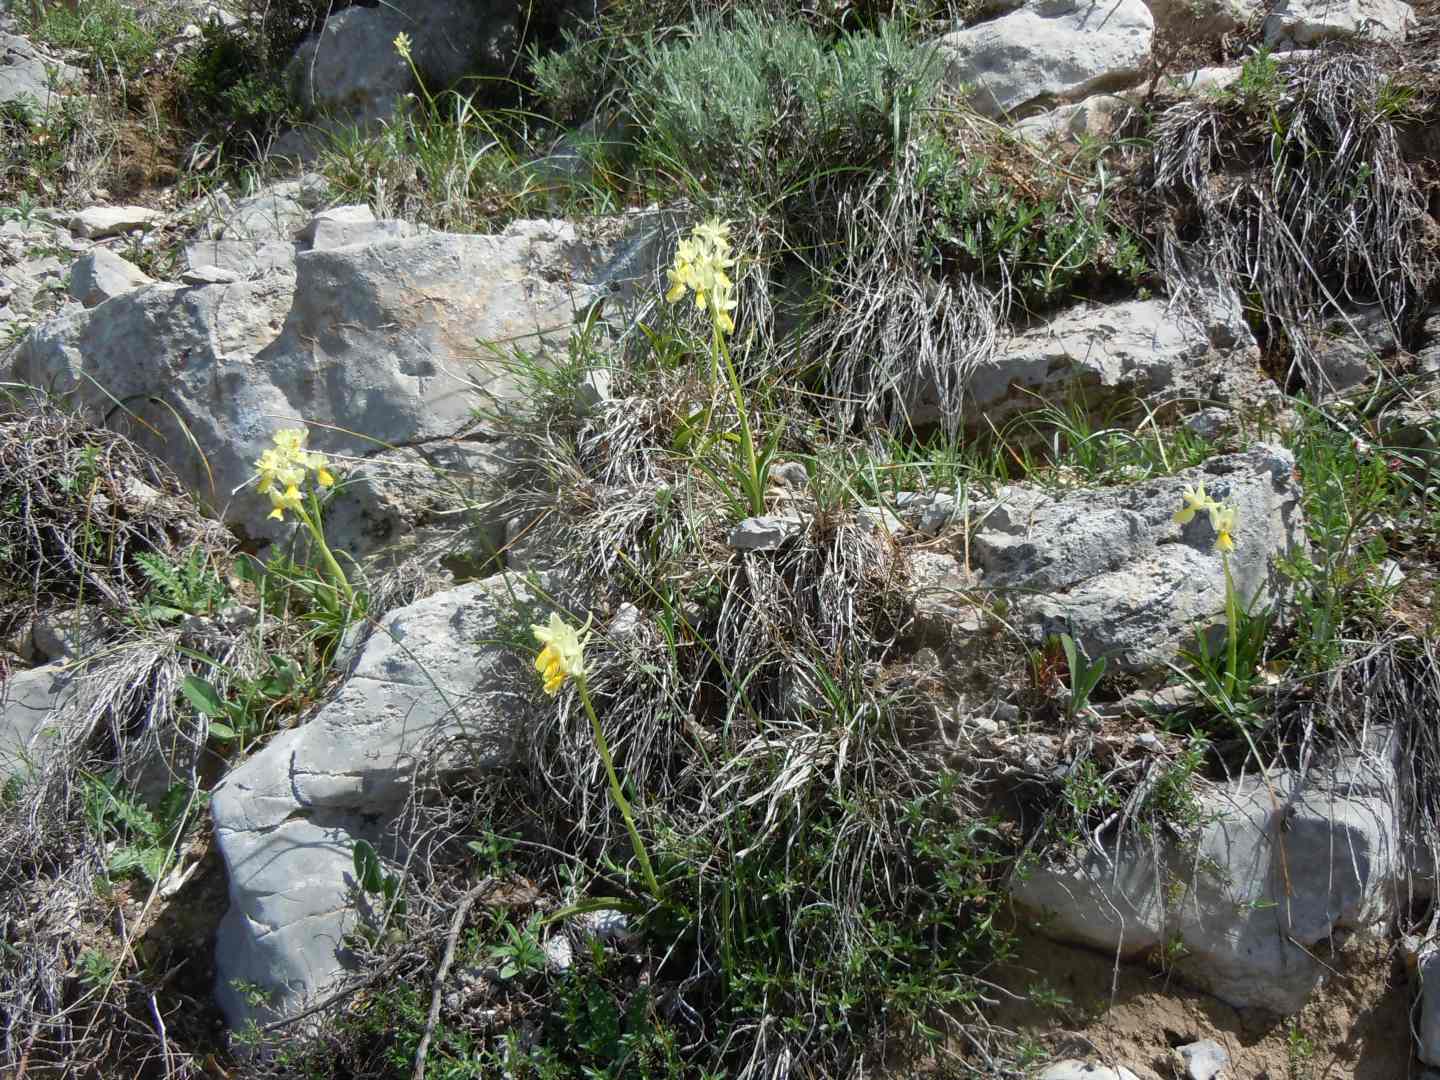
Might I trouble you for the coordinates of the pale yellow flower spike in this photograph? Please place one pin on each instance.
(563, 654)
(402, 45)
(283, 469)
(700, 263)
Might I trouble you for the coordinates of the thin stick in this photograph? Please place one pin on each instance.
(443, 973)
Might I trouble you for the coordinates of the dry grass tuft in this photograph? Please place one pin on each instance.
(1296, 188)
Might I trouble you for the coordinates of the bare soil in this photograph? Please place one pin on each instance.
(1355, 1027)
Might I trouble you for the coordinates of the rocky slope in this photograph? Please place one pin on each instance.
(980, 665)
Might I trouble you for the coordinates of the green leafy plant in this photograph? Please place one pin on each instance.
(1085, 675)
(109, 33)
(188, 585)
(146, 840)
(1038, 249)
(761, 104)
(373, 880)
(521, 953)
(97, 969)
(245, 718)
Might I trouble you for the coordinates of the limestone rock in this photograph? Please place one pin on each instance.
(351, 71)
(928, 511)
(268, 216)
(67, 633)
(376, 345)
(208, 275)
(1148, 349)
(239, 260)
(33, 269)
(343, 226)
(1305, 23)
(352, 214)
(399, 493)
(25, 74)
(1110, 567)
(1240, 909)
(1047, 51)
(1428, 969)
(434, 684)
(1075, 1069)
(1203, 1060)
(28, 701)
(766, 533)
(1349, 349)
(99, 222)
(102, 275)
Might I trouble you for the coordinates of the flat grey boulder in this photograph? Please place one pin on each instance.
(351, 71)
(29, 701)
(436, 684)
(1156, 350)
(27, 75)
(101, 275)
(375, 346)
(1110, 566)
(1245, 908)
(1305, 23)
(100, 222)
(1049, 51)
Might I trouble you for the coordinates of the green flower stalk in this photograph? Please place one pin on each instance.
(562, 657)
(284, 471)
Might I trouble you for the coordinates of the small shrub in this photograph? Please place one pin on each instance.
(1036, 248)
(767, 108)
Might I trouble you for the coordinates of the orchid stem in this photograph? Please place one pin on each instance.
(621, 802)
(337, 575)
(1232, 619)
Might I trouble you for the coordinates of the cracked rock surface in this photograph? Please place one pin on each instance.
(287, 819)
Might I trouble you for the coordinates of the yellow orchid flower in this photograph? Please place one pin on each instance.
(701, 260)
(563, 654)
(290, 499)
(283, 468)
(1196, 501)
(1223, 519)
(714, 232)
